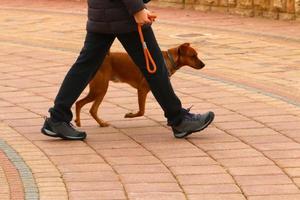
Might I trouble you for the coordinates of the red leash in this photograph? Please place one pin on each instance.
(147, 54)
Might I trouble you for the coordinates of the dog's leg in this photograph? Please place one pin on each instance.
(79, 104)
(96, 104)
(94, 111)
(142, 95)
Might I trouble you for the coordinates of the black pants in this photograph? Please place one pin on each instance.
(90, 59)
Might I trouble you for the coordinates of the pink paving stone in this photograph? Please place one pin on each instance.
(123, 144)
(265, 139)
(291, 133)
(216, 197)
(58, 144)
(172, 144)
(134, 123)
(238, 125)
(276, 197)
(255, 170)
(189, 161)
(152, 187)
(94, 186)
(297, 181)
(76, 159)
(205, 179)
(297, 139)
(263, 180)
(12, 109)
(263, 112)
(147, 178)
(283, 154)
(18, 115)
(154, 131)
(270, 189)
(134, 160)
(157, 195)
(141, 169)
(84, 167)
(240, 153)
(111, 109)
(96, 195)
(210, 169)
(28, 129)
(44, 105)
(165, 137)
(246, 106)
(128, 152)
(27, 99)
(178, 153)
(212, 189)
(285, 126)
(106, 137)
(277, 146)
(5, 104)
(278, 118)
(90, 176)
(231, 118)
(96, 131)
(222, 111)
(230, 100)
(224, 146)
(212, 94)
(211, 138)
(253, 132)
(293, 172)
(24, 122)
(283, 163)
(9, 95)
(35, 136)
(68, 151)
(246, 162)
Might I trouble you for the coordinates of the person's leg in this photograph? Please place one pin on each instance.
(91, 56)
(159, 82)
(182, 122)
(90, 59)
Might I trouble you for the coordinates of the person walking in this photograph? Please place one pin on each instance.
(108, 20)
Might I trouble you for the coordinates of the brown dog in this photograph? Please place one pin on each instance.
(118, 67)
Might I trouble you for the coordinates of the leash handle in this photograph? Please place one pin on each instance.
(147, 54)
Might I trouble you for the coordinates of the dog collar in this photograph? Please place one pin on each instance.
(172, 60)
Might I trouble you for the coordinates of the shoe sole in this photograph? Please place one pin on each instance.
(185, 134)
(52, 134)
(48, 133)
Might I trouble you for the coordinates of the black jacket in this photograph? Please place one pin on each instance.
(113, 16)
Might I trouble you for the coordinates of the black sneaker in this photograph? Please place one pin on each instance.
(62, 129)
(192, 123)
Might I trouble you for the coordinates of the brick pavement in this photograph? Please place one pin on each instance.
(251, 80)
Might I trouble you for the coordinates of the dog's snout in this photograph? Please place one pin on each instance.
(201, 64)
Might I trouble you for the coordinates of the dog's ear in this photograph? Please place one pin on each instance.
(186, 44)
(183, 48)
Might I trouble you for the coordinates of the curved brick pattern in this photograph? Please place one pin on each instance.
(4, 185)
(19, 177)
(31, 166)
(251, 81)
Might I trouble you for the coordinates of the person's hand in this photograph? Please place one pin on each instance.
(144, 17)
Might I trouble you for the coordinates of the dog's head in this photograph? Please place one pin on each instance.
(185, 55)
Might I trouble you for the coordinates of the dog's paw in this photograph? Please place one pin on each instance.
(77, 122)
(132, 115)
(104, 124)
